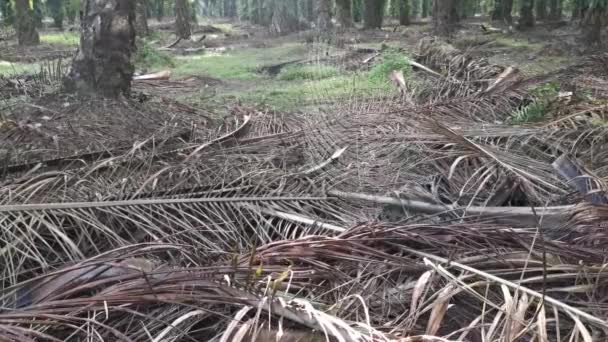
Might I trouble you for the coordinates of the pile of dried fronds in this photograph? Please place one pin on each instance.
(425, 218)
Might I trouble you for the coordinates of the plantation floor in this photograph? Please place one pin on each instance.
(230, 64)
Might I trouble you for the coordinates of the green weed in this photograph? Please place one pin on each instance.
(307, 72)
(239, 64)
(147, 57)
(9, 68)
(284, 95)
(391, 60)
(536, 110)
(61, 38)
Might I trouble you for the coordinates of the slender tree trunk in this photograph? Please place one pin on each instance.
(497, 12)
(404, 12)
(445, 17)
(25, 24)
(373, 13)
(426, 6)
(182, 19)
(282, 21)
(57, 12)
(526, 14)
(502, 11)
(8, 13)
(107, 40)
(555, 9)
(160, 9)
(230, 8)
(38, 15)
(541, 9)
(507, 10)
(323, 15)
(141, 17)
(592, 24)
(254, 9)
(345, 15)
(357, 11)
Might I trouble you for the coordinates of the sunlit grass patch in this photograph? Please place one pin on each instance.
(61, 38)
(308, 72)
(10, 68)
(242, 64)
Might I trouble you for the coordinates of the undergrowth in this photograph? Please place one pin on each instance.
(242, 64)
(67, 38)
(308, 72)
(536, 110)
(391, 60)
(147, 57)
(10, 68)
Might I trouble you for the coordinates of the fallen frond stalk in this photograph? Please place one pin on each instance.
(144, 202)
(549, 217)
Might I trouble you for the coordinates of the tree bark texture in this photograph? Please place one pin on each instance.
(25, 24)
(344, 12)
(182, 19)
(502, 10)
(526, 14)
(107, 39)
(555, 9)
(426, 7)
(310, 10)
(592, 24)
(323, 10)
(283, 21)
(230, 8)
(373, 13)
(445, 17)
(141, 17)
(541, 9)
(404, 12)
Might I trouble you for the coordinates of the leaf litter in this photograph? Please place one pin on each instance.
(422, 217)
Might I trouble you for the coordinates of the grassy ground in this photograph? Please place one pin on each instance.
(241, 79)
(9, 68)
(60, 38)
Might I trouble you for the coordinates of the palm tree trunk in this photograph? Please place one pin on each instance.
(182, 19)
(107, 40)
(592, 24)
(323, 15)
(426, 7)
(555, 9)
(345, 16)
(373, 13)
(25, 24)
(502, 11)
(526, 14)
(404, 12)
(541, 9)
(141, 17)
(445, 17)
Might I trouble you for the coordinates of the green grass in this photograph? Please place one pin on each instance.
(9, 68)
(391, 60)
(147, 58)
(241, 64)
(290, 95)
(61, 38)
(307, 72)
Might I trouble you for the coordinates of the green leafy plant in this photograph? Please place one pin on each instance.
(537, 109)
(147, 57)
(391, 60)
